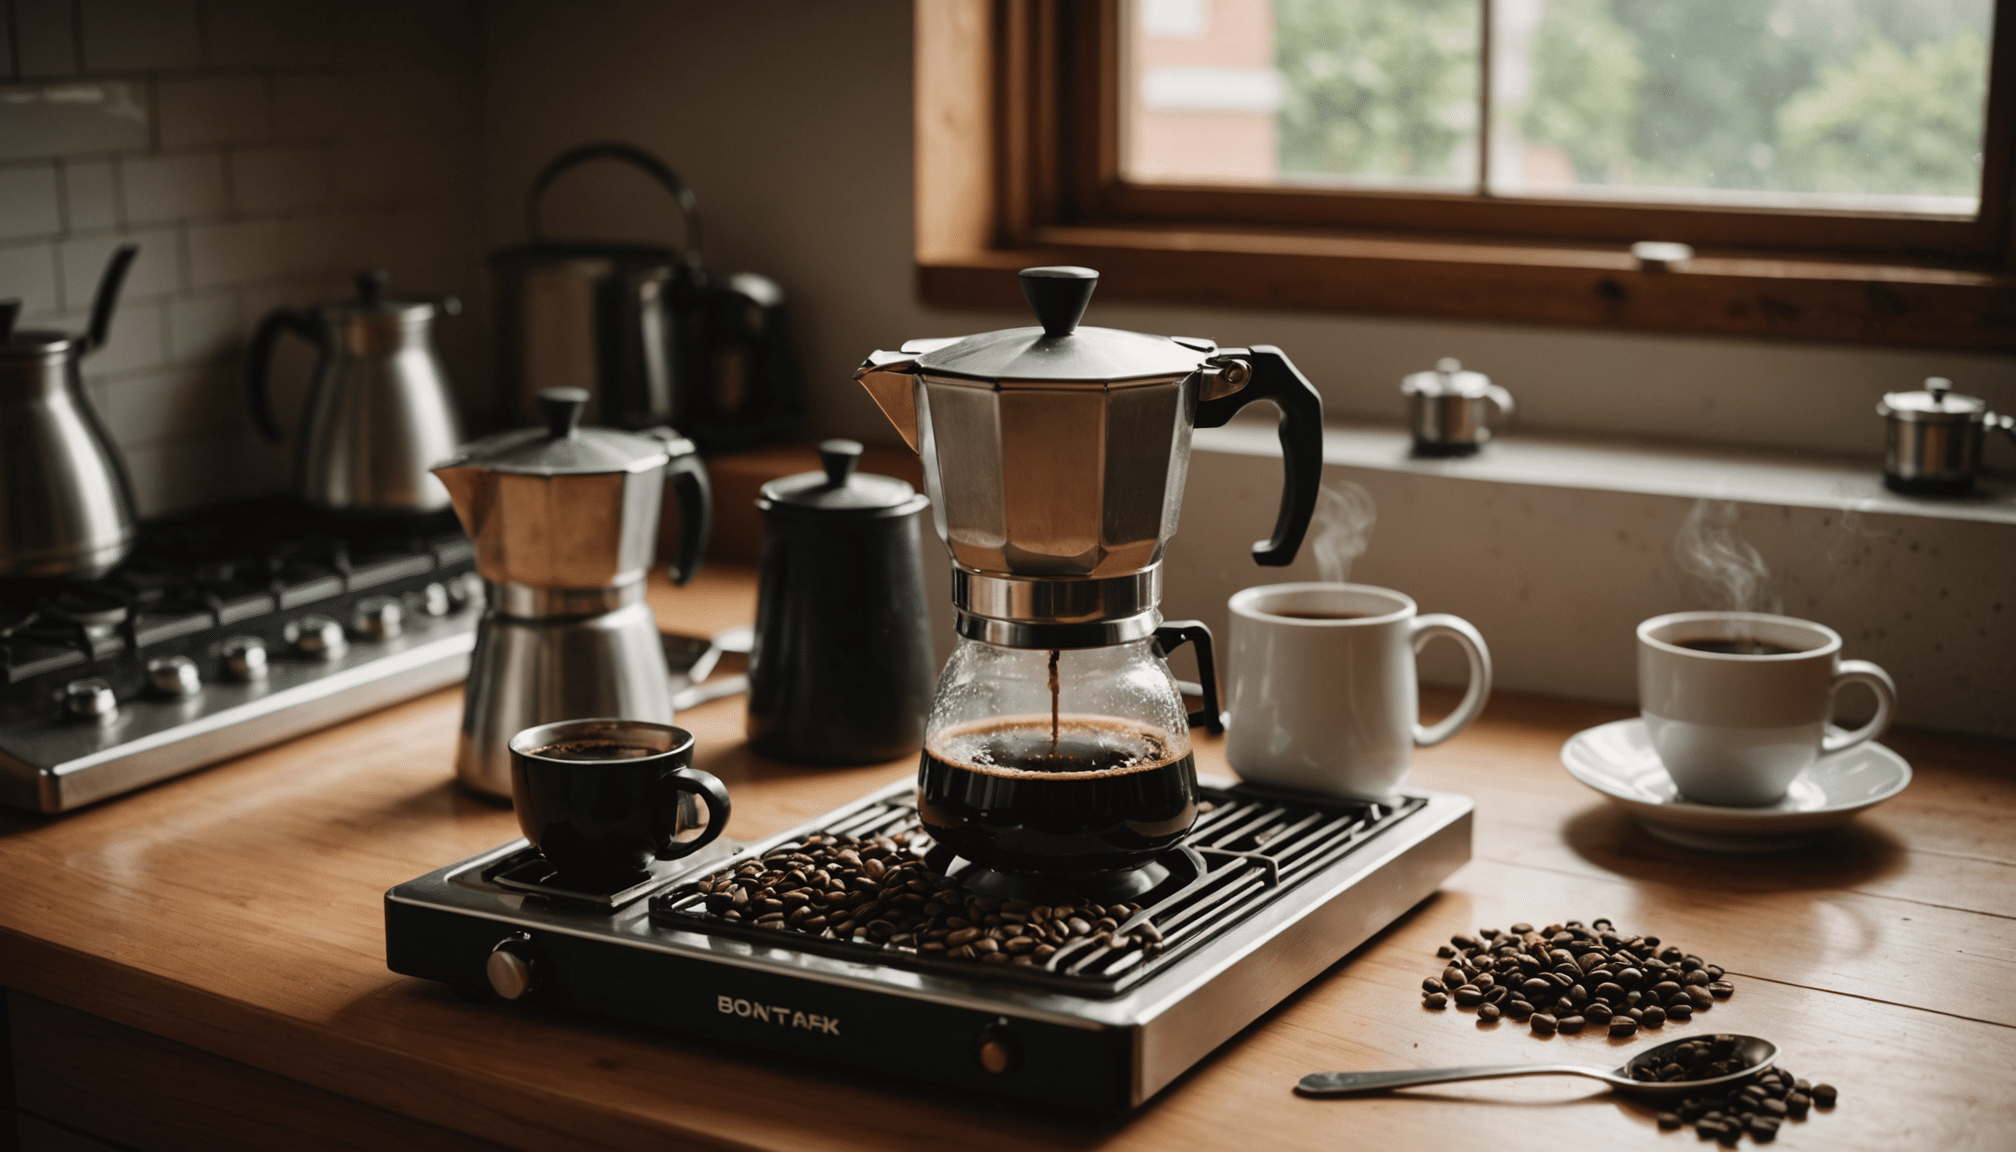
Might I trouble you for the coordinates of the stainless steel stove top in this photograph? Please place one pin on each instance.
(225, 631)
(1270, 891)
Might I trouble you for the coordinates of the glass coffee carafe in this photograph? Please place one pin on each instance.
(1065, 760)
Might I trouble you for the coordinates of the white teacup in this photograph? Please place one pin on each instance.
(1737, 728)
(1321, 687)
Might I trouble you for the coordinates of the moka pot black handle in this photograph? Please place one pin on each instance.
(1276, 378)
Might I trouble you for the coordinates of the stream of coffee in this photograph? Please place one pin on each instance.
(1054, 653)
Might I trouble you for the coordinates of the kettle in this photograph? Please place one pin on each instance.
(380, 412)
(66, 506)
(565, 522)
(643, 328)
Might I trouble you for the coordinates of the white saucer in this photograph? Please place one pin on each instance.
(1618, 760)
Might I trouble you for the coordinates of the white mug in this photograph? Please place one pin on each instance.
(1319, 702)
(1736, 728)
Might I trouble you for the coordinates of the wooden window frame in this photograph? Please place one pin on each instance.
(1017, 111)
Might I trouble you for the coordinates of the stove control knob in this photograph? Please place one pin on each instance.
(245, 659)
(174, 676)
(90, 699)
(999, 1053)
(380, 617)
(514, 968)
(435, 599)
(320, 637)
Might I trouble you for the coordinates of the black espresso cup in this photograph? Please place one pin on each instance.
(601, 799)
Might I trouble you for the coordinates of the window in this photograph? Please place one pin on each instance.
(1840, 167)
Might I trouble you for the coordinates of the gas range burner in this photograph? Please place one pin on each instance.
(113, 684)
(1267, 892)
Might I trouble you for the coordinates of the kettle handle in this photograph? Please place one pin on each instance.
(687, 474)
(1301, 430)
(259, 365)
(1174, 635)
(689, 205)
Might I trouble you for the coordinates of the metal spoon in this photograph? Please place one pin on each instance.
(1756, 1055)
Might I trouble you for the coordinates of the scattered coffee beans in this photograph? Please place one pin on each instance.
(878, 892)
(1565, 977)
(1759, 1106)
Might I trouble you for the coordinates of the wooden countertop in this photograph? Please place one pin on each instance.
(238, 910)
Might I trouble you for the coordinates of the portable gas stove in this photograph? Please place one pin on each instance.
(224, 631)
(1266, 892)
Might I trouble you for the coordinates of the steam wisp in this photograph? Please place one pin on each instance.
(1341, 529)
(1731, 570)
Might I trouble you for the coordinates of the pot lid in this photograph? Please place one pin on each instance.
(1060, 349)
(563, 447)
(840, 490)
(1937, 404)
(1447, 378)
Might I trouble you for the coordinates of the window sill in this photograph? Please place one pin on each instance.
(1802, 298)
(1641, 467)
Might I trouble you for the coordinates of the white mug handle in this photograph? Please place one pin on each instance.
(1862, 672)
(1426, 628)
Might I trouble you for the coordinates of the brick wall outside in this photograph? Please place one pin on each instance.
(260, 152)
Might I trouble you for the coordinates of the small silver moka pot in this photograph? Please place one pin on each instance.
(1453, 412)
(1934, 438)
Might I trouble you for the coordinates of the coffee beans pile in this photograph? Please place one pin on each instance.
(1760, 1106)
(1568, 977)
(877, 891)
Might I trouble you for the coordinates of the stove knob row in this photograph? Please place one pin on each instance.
(174, 677)
(380, 617)
(318, 637)
(90, 699)
(514, 968)
(245, 659)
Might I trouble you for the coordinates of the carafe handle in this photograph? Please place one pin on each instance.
(259, 365)
(1301, 430)
(1174, 635)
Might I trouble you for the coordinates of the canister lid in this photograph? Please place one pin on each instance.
(840, 490)
(1060, 350)
(1447, 378)
(1937, 404)
(563, 447)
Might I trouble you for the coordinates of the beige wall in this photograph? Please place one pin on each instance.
(259, 153)
(791, 119)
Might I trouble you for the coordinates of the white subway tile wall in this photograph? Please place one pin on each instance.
(260, 153)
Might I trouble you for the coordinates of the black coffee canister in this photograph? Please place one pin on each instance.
(841, 672)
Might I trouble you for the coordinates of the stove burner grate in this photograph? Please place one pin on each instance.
(1249, 847)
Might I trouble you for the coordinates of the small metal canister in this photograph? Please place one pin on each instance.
(841, 671)
(1934, 438)
(1453, 412)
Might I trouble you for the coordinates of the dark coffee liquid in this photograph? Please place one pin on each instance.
(1321, 615)
(595, 750)
(1738, 647)
(1107, 794)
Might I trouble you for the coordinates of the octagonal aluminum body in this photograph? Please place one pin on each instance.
(1049, 478)
(594, 530)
